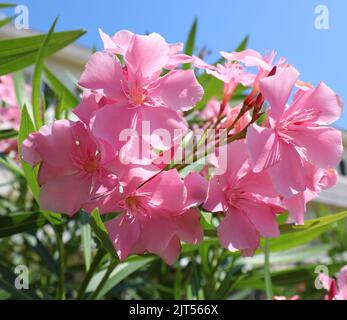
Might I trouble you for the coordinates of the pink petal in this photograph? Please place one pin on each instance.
(84, 111)
(131, 176)
(147, 55)
(215, 201)
(322, 145)
(189, 228)
(262, 217)
(103, 71)
(178, 90)
(325, 280)
(263, 147)
(172, 251)
(162, 122)
(59, 194)
(29, 152)
(54, 143)
(236, 232)
(110, 121)
(118, 43)
(197, 189)
(157, 233)
(322, 100)
(276, 89)
(342, 282)
(167, 191)
(124, 231)
(288, 175)
(178, 59)
(258, 183)
(296, 206)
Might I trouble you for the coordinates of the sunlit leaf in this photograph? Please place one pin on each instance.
(26, 127)
(69, 99)
(18, 53)
(190, 43)
(101, 232)
(36, 84)
(122, 271)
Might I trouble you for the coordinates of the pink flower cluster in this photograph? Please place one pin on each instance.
(9, 113)
(274, 165)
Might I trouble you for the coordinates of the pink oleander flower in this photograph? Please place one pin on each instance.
(232, 74)
(248, 200)
(136, 93)
(294, 133)
(72, 169)
(337, 290)
(156, 215)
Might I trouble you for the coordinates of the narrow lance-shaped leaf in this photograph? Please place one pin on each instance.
(7, 5)
(20, 222)
(293, 235)
(70, 100)
(19, 53)
(86, 238)
(26, 127)
(36, 85)
(6, 21)
(101, 232)
(20, 89)
(190, 43)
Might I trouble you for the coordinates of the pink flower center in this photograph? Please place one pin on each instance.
(91, 165)
(137, 95)
(135, 204)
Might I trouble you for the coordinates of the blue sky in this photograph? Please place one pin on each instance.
(286, 26)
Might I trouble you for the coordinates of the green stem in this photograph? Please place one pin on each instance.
(267, 271)
(103, 281)
(93, 267)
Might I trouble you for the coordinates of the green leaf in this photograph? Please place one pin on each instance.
(101, 232)
(20, 222)
(36, 84)
(26, 127)
(7, 5)
(18, 53)
(122, 271)
(86, 238)
(69, 99)
(190, 43)
(20, 89)
(285, 257)
(313, 223)
(6, 21)
(293, 235)
(243, 44)
(7, 134)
